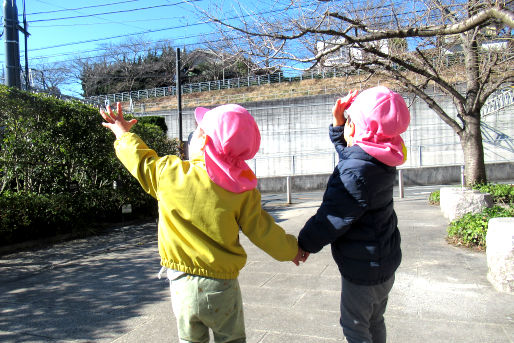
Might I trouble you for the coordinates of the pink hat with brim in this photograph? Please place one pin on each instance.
(380, 116)
(233, 138)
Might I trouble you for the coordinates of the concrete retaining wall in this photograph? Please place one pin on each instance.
(452, 174)
(294, 136)
(411, 177)
(455, 202)
(299, 183)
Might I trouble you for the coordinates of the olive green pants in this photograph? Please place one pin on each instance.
(202, 303)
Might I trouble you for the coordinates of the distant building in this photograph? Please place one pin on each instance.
(449, 46)
(342, 56)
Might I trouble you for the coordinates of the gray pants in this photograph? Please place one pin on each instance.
(362, 311)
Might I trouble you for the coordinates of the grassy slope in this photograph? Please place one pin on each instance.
(259, 93)
(338, 85)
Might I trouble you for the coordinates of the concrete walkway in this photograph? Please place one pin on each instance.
(104, 289)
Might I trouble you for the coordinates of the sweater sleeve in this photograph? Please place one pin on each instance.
(334, 218)
(260, 227)
(141, 161)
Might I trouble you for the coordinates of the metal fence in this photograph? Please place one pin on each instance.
(240, 82)
(498, 100)
(150, 108)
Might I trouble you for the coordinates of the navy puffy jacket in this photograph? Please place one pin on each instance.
(357, 216)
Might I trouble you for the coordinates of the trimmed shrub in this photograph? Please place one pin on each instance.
(30, 216)
(501, 193)
(471, 229)
(154, 120)
(58, 166)
(434, 198)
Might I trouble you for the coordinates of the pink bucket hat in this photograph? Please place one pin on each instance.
(233, 138)
(380, 116)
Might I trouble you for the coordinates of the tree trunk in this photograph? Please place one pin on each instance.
(472, 146)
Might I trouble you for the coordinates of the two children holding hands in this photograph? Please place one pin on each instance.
(204, 202)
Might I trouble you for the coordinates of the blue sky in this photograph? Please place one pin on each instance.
(65, 30)
(62, 30)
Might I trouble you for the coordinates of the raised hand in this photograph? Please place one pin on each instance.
(341, 105)
(115, 121)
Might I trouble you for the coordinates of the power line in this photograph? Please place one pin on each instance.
(119, 36)
(75, 10)
(115, 12)
(140, 33)
(104, 23)
(115, 54)
(147, 31)
(150, 31)
(82, 8)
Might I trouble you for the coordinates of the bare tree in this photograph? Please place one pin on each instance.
(233, 56)
(50, 77)
(125, 56)
(130, 65)
(460, 48)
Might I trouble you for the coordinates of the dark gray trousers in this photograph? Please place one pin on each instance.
(362, 311)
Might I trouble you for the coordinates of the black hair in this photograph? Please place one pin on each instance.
(189, 137)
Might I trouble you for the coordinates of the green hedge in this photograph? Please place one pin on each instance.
(154, 120)
(57, 167)
(500, 192)
(434, 198)
(471, 229)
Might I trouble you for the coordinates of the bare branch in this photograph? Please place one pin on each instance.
(403, 63)
(494, 86)
(462, 48)
(407, 83)
(505, 16)
(427, 63)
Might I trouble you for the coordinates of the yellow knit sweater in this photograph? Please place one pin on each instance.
(199, 221)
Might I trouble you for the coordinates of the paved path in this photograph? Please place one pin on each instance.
(104, 289)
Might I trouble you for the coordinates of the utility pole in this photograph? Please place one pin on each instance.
(12, 48)
(26, 35)
(179, 99)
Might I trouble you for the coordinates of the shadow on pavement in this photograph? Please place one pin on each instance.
(86, 296)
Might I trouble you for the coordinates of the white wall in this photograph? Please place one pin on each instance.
(295, 135)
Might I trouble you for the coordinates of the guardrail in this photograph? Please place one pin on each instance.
(498, 100)
(147, 108)
(240, 82)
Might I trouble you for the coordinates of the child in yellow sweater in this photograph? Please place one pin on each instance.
(203, 204)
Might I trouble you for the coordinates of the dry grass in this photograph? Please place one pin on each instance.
(274, 91)
(258, 93)
(457, 242)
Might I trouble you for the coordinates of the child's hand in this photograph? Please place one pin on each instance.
(300, 256)
(115, 121)
(341, 105)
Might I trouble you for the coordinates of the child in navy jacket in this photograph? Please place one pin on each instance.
(357, 216)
